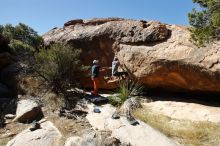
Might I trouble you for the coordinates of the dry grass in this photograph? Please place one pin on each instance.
(4, 141)
(68, 127)
(52, 101)
(31, 85)
(37, 88)
(187, 133)
(11, 130)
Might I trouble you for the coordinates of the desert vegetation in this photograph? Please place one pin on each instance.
(126, 89)
(59, 66)
(50, 74)
(205, 22)
(23, 39)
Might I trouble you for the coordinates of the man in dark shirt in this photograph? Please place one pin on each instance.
(95, 76)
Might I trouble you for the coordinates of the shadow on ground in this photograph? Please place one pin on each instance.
(8, 106)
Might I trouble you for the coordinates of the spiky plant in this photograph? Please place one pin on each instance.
(127, 88)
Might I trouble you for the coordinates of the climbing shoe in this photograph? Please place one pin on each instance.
(132, 121)
(115, 116)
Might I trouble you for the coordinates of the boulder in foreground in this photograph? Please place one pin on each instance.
(28, 110)
(47, 135)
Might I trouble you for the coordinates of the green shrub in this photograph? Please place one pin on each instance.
(205, 23)
(21, 32)
(1, 29)
(23, 39)
(19, 47)
(59, 66)
(115, 100)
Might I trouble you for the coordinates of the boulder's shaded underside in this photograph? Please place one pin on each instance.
(159, 55)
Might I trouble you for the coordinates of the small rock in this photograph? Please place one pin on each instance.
(19, 96)
(111, 141)
(7, 122)
(35, 126)
(9, 116)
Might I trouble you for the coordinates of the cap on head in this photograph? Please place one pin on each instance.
(95, 61)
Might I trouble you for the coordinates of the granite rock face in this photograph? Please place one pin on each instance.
(159, 55)
(46, 135)
(27, 110)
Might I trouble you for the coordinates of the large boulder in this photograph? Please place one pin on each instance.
(28, 110)
(175, 64)
(185, 111)
(159, 55)
(47, 135)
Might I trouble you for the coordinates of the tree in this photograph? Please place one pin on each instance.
(24, 42)
(1, 29)
(21, 34)
(205, 23)
(59, 66)
(8, 31)
(27, 35)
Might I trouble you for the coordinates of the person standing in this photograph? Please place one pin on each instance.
(95, 76)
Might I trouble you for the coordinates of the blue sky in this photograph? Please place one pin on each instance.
(43, 15)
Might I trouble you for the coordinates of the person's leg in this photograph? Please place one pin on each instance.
(115, 76)
(119, 75)
(96, 85)
(123, 75)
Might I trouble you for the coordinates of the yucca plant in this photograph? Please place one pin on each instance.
(127, 88)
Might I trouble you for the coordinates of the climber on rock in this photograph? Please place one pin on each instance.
(115, 72)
